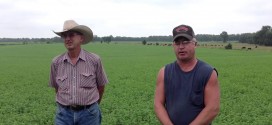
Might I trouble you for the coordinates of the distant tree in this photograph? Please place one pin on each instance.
(224, 35)
(263, 37)
(144, 42)
(247, 38)
(110, 38)
(268, 41)
(56, 39)
(229, 46)
(107, 39)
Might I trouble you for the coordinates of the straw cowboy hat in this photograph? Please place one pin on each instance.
(71, 25)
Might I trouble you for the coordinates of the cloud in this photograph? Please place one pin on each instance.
(37, 18)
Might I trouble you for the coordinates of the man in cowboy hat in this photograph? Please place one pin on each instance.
(78, 78)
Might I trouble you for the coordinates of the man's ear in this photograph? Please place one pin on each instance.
(82, 39)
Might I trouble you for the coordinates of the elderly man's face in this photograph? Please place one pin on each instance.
(72, 39)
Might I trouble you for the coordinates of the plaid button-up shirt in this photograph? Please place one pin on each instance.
(77, 84)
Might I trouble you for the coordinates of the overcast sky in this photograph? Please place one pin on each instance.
(134, 18)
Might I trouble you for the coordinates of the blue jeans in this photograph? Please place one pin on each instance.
(88, 116)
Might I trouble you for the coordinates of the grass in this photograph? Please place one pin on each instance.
(25, 98)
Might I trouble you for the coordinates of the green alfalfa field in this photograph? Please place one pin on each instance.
(25, 99)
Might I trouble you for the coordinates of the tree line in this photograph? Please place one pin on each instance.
(261, 37)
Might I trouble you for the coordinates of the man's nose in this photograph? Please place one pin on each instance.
(181, 45)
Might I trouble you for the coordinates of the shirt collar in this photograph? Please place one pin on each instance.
(81, 56)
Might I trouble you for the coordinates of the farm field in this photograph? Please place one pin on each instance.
(25, 98)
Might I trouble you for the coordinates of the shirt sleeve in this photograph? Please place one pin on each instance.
(101, 75)
(52, 76)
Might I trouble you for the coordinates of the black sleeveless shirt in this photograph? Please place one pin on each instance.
(184, 91)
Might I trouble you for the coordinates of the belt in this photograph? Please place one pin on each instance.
(75, 107)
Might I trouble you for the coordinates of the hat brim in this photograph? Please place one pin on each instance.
(183, 35)
(86, 31)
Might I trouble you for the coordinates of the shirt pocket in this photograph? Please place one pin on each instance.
(62, 81)
(197, 98)
(87, 80)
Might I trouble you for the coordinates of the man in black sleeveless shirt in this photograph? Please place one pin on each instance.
(187, 90)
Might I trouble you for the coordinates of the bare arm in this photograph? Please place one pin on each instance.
(159, 100)
(101, 91)
(211, 100)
